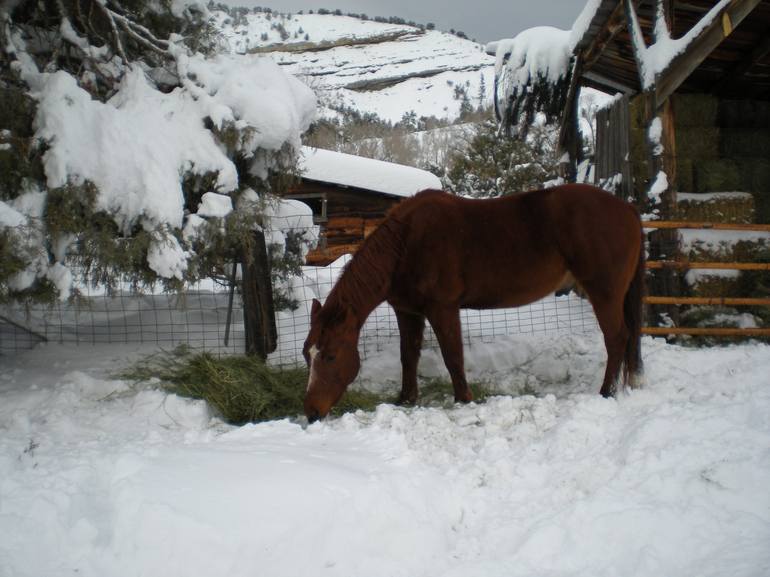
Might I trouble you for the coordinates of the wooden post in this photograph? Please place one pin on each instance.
(664, 243)
(569, 135)
(257, 292)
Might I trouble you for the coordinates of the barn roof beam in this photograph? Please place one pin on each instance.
(714, 27)
(684, 64)
(614, 24)
(760, 51)
(599, 80)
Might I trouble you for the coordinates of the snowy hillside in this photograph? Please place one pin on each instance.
(372, 67)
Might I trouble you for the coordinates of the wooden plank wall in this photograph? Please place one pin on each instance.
(613, 145)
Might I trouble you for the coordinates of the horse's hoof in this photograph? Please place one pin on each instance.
(465, 397)
(406, 401)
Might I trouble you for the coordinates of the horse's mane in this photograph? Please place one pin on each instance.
(366, 279)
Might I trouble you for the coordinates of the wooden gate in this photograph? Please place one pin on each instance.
(680, 264)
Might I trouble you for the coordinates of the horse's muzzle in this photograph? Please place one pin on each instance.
(313, 417)
(314, 411)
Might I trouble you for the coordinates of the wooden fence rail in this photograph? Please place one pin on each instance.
(706, 301)
(667, 224)
(686, 264)
(706, 331)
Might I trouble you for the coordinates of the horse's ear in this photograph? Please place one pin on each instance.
(315, 308)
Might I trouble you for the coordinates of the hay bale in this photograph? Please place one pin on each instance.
(724, 246)
(718, 317)
(716, 207)
(695, 110)
(697, 142)
(746, 170)
(758, 172)
(760, 175)
(717, 175)
(744, 114)
(751, 143)
(713, 283)
(685, 175)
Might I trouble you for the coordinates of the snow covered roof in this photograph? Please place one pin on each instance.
(532, 71)
(542, 51)
(674, 53)
(365, 173)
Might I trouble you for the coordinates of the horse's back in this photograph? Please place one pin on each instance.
(593, 228)
(512, 250)
(579, 211)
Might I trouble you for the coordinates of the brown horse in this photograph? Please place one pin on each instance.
(437, 253)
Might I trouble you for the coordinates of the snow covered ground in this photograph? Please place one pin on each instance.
(100, 478)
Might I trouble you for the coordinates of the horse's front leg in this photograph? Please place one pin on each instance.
(445, 321)
(411, 328)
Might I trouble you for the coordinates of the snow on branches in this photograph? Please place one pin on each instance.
(126, 126)
(533, 72)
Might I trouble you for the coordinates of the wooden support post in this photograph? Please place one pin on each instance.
(257, 292)
(664, 243)
(569, 135)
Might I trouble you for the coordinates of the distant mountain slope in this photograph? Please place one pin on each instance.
(371, 67)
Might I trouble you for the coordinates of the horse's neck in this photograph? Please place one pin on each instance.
(358, 294)
(365, 282)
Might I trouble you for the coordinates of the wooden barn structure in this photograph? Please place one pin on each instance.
(350, 195)
(687, 135)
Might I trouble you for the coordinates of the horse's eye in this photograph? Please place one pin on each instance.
(329, 358)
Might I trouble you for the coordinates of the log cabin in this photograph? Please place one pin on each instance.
(350, 195)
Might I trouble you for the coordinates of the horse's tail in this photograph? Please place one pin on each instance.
(632, 314)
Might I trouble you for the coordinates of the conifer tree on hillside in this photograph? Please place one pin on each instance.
(126, 150)
(491, 166)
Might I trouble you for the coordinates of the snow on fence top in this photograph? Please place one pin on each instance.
(359, 172)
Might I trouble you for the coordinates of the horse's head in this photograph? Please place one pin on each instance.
(331, 352)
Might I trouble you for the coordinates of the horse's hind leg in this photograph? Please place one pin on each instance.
(410, 328)
(609, 313)
(446, 324)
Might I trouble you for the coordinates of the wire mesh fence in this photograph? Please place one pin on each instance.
(198, 318)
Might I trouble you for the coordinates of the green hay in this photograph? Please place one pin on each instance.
(439, 392)
(243, 389)
(240, 389)
(695, 110)
(717, 176)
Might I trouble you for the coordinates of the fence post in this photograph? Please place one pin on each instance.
(257, 292)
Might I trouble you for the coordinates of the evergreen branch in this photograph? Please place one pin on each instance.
(141, 34)
(115, 34)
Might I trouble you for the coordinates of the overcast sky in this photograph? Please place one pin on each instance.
(484, 20)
